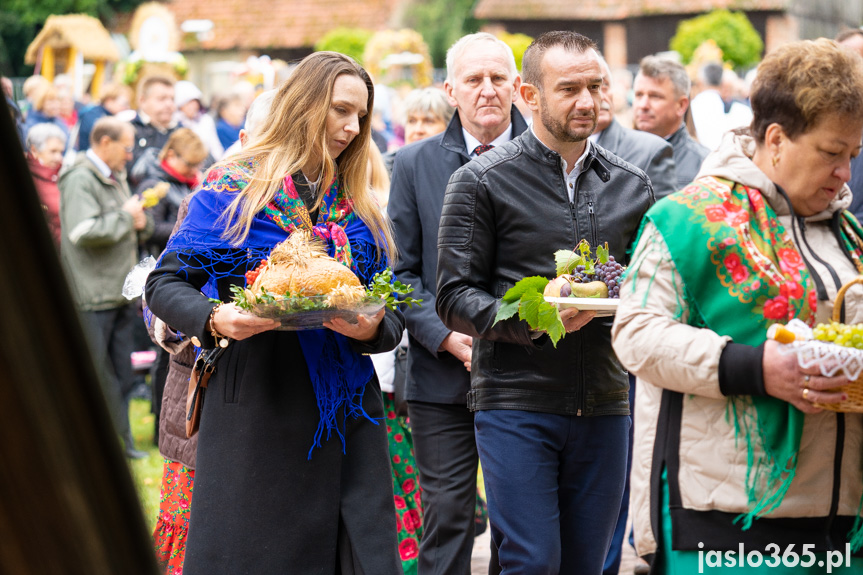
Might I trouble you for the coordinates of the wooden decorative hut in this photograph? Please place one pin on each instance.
(68, 40)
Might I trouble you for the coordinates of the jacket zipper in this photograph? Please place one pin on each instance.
(593, 239)
(837, 472)
(840, 418)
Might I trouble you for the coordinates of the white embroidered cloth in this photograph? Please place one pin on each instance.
(829, 357)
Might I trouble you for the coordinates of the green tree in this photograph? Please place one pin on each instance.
(518, 43)
(441, 23)
(21, 20)
(349, 41)
(732, 31)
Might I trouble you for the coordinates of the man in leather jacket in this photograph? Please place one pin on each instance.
(482, 83)
(551, 423)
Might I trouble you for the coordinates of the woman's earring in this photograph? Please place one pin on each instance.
(775, 161)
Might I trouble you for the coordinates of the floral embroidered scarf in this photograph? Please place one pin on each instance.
(742, 273)
(338, 373)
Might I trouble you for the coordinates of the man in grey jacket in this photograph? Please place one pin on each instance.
(661, 100)
(641, 149)
(102, 224)
(481, 84)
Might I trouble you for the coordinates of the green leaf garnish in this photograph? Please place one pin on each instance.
(526, 299)
(566, 261)
(602, 254)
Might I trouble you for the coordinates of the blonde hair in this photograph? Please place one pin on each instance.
(295, 134)
(185, 142)
(43, 93)
(379, 178)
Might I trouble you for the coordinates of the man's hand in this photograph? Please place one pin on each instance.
(139, 218)
(574, 320)
(459, 345)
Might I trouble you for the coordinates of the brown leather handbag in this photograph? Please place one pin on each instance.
(205, 367)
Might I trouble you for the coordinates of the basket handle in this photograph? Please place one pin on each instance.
(837, 305)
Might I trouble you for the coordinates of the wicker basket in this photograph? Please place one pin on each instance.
(854, 390)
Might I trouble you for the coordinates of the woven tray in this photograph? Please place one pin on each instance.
(854, 390)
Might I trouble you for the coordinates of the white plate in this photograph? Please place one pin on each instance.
(602, 305)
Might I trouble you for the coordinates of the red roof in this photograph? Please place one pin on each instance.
(610, 9)
(267, 24)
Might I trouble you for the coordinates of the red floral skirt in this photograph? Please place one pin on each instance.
(407, 493)
(172, 528)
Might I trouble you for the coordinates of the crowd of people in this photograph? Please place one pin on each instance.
(355, 448)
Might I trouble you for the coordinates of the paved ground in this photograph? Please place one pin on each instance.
(479, 560)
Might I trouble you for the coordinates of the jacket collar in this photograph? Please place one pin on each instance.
(540, 152)
(453, 139)
(679, 137)
(610, 137)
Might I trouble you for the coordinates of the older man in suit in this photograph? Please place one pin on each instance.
(650, 153)
(482, 84)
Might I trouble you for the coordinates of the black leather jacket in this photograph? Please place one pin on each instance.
(504, 216)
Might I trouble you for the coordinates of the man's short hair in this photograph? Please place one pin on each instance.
(457, 49)
(711, 74)
(111, 127)
(148, 83)
(531, 63)
(657, 68)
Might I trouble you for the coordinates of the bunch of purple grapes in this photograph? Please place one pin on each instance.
(611, 273)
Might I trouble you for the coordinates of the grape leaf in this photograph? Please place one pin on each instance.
(541, 316)
(584, 248)
(507, 310)
(523, 286)
(602, 254)
(565, 261)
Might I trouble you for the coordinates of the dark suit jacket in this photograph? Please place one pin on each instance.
(688, 155)
(420, 175)
(643, 150)
(856, 185)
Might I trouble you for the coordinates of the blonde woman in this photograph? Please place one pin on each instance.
(292, 467)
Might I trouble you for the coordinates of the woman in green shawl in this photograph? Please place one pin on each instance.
(732, 461)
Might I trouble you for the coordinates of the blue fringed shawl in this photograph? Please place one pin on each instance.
(337, 372)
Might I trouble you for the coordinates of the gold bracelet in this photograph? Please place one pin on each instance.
(221, 340)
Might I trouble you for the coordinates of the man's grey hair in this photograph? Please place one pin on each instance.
(711, 74)
(456, 50)
(429, 101)
(258, 111)
(658, 68)
(39, 135)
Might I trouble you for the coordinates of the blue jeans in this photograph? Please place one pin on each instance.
(554, 484)
(615, 552)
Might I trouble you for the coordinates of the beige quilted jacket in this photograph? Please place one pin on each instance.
(665, 353)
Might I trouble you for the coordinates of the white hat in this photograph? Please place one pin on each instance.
(185, 92)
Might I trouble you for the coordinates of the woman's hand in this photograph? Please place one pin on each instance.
(785, 379)
(232, 322)
(366, 328)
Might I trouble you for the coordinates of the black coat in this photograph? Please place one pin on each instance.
(419, 180)
(688, 155)
(504, 216)
(643, 150)
(260, 505)
(148, 172)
